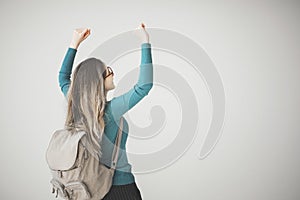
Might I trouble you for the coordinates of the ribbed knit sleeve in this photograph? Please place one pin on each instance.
(64, 75)
(121, 104)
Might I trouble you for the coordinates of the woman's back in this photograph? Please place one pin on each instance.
(89, 110)
(115, 109)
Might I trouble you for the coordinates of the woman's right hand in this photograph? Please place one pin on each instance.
(79, 35)
(142, 33)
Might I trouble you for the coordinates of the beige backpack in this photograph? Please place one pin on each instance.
(77, 175)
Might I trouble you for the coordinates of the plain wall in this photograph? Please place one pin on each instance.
(254, 46)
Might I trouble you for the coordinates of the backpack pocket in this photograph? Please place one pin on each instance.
(59, 189)
(77, 190)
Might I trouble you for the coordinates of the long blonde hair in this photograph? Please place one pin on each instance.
(86, 103)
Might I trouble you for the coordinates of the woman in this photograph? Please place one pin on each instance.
(89, 110)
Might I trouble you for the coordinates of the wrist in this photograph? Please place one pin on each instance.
(146, 40)
(74, 45)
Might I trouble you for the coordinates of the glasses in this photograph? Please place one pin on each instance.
(107, 72)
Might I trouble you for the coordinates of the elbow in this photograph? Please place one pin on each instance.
(60, 80)
(150, 86)
(143, 90)
(147, 87)
(63, 80)
(61, 84)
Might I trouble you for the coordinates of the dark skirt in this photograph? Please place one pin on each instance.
(123, 192)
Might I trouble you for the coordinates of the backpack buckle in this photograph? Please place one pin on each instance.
(59, 173)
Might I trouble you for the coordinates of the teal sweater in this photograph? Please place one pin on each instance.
(114, 110)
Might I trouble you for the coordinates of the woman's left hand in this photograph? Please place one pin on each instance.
(79, 35)
(142, 33)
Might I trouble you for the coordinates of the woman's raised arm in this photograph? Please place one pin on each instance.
(64, 76)
(123, 103)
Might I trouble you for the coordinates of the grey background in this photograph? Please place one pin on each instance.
(254, 45)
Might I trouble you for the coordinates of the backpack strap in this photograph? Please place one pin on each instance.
(117, 146)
